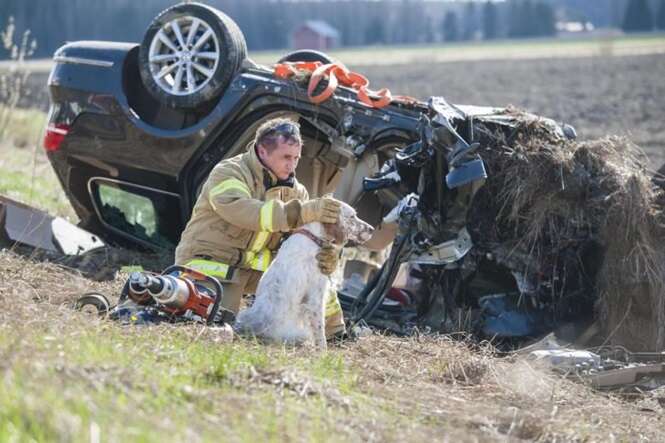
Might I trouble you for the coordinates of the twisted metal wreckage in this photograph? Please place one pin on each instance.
(470, 282)
(515, 229)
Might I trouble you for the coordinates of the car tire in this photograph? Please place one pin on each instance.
(306, 55)
(189, 55)
(93, 300)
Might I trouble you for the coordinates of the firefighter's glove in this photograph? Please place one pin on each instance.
(327, 258)
(324, 210)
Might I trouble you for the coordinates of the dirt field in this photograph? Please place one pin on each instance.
(600, 96)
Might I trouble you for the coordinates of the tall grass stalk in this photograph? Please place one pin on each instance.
(13, 80)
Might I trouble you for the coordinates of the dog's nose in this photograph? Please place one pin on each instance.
(366, 234)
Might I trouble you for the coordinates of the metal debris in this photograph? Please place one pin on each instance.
(23, 224)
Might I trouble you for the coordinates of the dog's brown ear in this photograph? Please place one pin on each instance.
(336, 233)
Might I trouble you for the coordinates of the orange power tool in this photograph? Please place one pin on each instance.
(180, 292)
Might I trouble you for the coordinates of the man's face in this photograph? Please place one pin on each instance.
(282, 160)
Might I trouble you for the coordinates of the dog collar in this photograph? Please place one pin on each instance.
(319, 241)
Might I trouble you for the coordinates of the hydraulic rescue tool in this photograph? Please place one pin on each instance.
(177, 294)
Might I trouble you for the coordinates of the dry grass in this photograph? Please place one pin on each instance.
(581, 217)
(64, 375)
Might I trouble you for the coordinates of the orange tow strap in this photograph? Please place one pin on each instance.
(337, 74)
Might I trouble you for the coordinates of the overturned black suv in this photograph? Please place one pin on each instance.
(134, 130)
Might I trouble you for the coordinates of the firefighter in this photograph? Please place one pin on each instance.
(245, 206)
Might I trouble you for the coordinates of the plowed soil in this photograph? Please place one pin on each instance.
(599, 96)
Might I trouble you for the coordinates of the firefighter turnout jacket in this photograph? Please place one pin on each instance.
(238, 219)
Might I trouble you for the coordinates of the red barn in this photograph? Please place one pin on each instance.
(315, 34)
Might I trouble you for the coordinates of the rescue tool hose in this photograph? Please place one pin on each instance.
(376, 290)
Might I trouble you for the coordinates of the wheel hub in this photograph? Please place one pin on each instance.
(184, 55)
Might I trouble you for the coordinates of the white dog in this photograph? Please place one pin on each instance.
(290, 298)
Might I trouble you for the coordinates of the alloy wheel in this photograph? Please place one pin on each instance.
(184, 55)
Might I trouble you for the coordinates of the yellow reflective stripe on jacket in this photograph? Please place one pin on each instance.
(259, 261)
(209, 267)
(265, 218)
(229, 184)
(332, 304)
(260, 241)
(265, 223)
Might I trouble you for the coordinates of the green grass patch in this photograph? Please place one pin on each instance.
(25, 172)
(41, 190)
(22, 128)
(145, 383)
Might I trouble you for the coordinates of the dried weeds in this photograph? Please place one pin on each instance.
(583, 218)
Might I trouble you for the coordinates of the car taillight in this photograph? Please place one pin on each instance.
(55, 134)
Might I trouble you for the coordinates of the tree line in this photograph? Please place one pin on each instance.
(267, 24)
(640, 17)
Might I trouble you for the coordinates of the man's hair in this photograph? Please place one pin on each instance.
(269, 133)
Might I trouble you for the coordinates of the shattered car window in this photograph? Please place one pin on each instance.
(131, 213)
